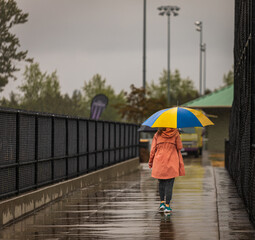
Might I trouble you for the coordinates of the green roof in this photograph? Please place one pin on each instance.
(222, 98)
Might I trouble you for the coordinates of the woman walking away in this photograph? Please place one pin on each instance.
(166, 162)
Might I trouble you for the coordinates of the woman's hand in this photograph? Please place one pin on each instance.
(150, 165)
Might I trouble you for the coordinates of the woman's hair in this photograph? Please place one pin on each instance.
(160, 130)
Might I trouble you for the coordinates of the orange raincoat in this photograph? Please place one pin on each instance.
(165, 156)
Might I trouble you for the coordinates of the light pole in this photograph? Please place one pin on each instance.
(168, 10)
(199, 28)
(204, 50)
(144, 44)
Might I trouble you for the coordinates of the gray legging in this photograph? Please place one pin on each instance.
(166, 189)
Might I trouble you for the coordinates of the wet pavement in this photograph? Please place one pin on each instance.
(205, 206)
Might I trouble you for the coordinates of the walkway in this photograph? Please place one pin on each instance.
(205, 206)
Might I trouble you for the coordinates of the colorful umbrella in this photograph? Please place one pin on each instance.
(178, 117)
(145, 128)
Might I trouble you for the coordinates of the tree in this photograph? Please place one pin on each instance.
(228, 78)
(10, 15)
(95, 86)
(14, 101)
(41, 91)
(133, 110)
(139, 106)
(181, 90)
(207, 91)
(73, 105)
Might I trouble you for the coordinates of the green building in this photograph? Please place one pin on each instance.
(217, 106)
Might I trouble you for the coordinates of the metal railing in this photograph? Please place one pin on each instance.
(38, 149)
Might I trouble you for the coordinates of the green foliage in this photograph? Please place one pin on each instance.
(95, 86)
(10, 15)
(41, 92)
(12, 103)
(73, 105)
(207, 91)
(140, 106)
(181, 90)
(228, 78)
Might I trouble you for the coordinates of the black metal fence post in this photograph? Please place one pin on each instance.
(128, 142)
(52, 149)
(137, 141)
(103, 146)
(78, 146)
(67, 167)
(36, 150)
(115, 143)
(87, 123)
(95, 132)
(122, 141)
(17, 150)
(109, 145)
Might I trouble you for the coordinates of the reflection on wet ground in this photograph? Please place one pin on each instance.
(205, 206)
(217, 159)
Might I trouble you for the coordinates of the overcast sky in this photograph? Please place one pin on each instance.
(81, 38)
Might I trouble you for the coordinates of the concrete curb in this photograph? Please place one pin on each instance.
(17, 207)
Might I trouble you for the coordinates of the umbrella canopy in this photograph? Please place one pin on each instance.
(178, 117)
(145, 128)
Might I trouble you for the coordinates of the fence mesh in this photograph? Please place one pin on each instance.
(239, 149)
(38, 149)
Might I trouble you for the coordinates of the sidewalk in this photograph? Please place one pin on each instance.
(205, 206)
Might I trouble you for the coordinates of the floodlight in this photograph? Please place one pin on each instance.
(198, 23)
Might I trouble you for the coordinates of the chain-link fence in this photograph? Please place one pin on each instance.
(38, 149)
(240, 151)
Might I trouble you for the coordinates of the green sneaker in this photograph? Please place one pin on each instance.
(162, 207)
(168, 209)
